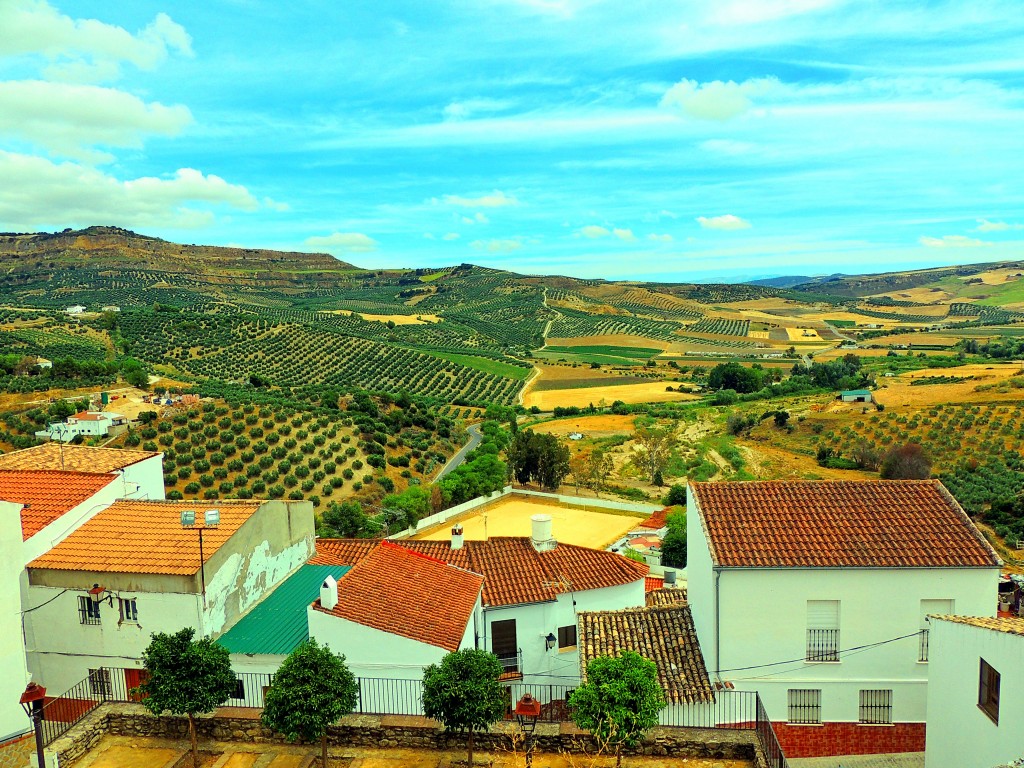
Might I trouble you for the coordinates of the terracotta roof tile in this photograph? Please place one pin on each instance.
(407, 593)
(665, 597)
(839, 524)
(47, 495)
(77, 458)
(652, 583)
(145, 537)
(1008, 624)
(514, 572)
(657, 520)
(663, 634)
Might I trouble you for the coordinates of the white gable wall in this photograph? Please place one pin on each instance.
(12, 648)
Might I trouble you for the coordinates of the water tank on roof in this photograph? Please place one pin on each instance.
(670, 577)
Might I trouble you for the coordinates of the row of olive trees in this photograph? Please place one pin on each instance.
(314, 688)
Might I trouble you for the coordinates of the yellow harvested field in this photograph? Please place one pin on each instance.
(920, 295)
(803, 334)
(610, 340)
(645, 392)
(398, 320)
(998, 276)
(898, 391)
(511, 517)
(603, 425)
(759, 334)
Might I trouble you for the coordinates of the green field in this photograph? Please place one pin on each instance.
(840, 323)
(487, 365)
(640, 353)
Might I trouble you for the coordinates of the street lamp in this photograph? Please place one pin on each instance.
(32, 702)
(211, 519)
(527, 712)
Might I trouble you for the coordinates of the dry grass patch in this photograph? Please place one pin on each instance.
(610, 340)
(899, 391)
(396, 319)
(803, 334)
(646, 392)
(603, 425)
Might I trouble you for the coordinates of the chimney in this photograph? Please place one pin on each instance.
(329, 593)
(541, 536)
(457, 538)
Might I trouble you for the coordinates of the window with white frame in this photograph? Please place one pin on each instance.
(88, 610)
(804, 706)
(822, 630)
(875, 707)
(129, 609)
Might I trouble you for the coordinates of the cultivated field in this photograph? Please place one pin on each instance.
(646, 392)
(604, 425)
(900, 391)
(511, 517)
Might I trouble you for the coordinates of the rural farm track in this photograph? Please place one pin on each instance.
(475, 438)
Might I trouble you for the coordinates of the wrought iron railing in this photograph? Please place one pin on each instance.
(511, 664)
(735, 710)
(822, 645)
(922, 646)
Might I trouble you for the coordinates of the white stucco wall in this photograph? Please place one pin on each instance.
(959, 734)
(763, 615)
(700, 584)
(148, 474)
(13, 673)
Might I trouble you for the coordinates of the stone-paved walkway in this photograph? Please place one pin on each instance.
(903, 760)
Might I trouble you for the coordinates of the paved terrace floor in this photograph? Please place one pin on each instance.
(903, 760)
(134, 752)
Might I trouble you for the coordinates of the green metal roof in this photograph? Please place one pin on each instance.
(856, 392)
(277, 625)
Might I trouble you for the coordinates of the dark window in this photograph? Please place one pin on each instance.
(88, 611)
(988, 691)
(99, 682)
(505, 646)
(567, 636)
(239, 689)
(804, 706)
(129, 610)
(876, 707)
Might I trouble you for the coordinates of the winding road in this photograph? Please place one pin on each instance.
(475, 438)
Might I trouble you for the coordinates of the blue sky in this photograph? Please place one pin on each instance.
(685, 141)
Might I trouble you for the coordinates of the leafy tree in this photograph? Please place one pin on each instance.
(311, 690)
(736, 376)
(906, 462)
(342, 521)
(539, 457)
(186, 677)
(654, 448)
(673, 546)
(463, 692)
(676, 496)
(781, 417)
(620, 700)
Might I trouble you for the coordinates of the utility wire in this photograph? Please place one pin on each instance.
(804, 658)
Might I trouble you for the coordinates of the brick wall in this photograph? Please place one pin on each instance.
(17, 752)
(849, 739)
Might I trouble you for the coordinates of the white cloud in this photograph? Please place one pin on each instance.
(343, 242)
(593, 231)
(495, 199)
(953, 241)
(275, 206)
(715, 100)
(38, 192)
(452, 236)
(68, 119)
(481, 219)
(460, 110)
(34, 26)
(727, 221)
(984, 225)
(660, 238)
(429, 236)
(624, 234)
(498, 245)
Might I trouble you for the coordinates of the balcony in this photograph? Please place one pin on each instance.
(511, 665)
(822, 645)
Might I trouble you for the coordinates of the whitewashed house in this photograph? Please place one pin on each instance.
(975, 692)
(86, 424)
(533, 588)
(815, 594)
(132, 569)
(75, 309)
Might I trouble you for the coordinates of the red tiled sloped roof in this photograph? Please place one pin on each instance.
(406, 593)
(657, 520)
(145, 537)
(663, 634)
(514, 572)
(48, 494)
(652, 583)
(88, 416)
(1011, 625)
(77, 458)
(839, 524)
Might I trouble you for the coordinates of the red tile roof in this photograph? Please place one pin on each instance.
(407, 593)
(514, 572)
(79, 458)
(657, 520)
(1011, 625)
(652, 583)
(839, 524)
(47, 495)
(663, 634)
(145, 537)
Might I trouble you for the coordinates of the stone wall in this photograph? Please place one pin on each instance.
(17, 752)
(396, 731)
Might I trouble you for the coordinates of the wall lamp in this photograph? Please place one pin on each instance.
(550, 641)
(96, 595)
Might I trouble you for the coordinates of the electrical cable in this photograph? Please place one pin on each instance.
(36, 608)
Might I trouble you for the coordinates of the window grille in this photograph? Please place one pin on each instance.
(876, 707)
(822, 630)
(804, 706)
(988, 691)
(88, 610)
(567, 637)
(99, 682)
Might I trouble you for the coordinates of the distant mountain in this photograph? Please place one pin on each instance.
(788, 281)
